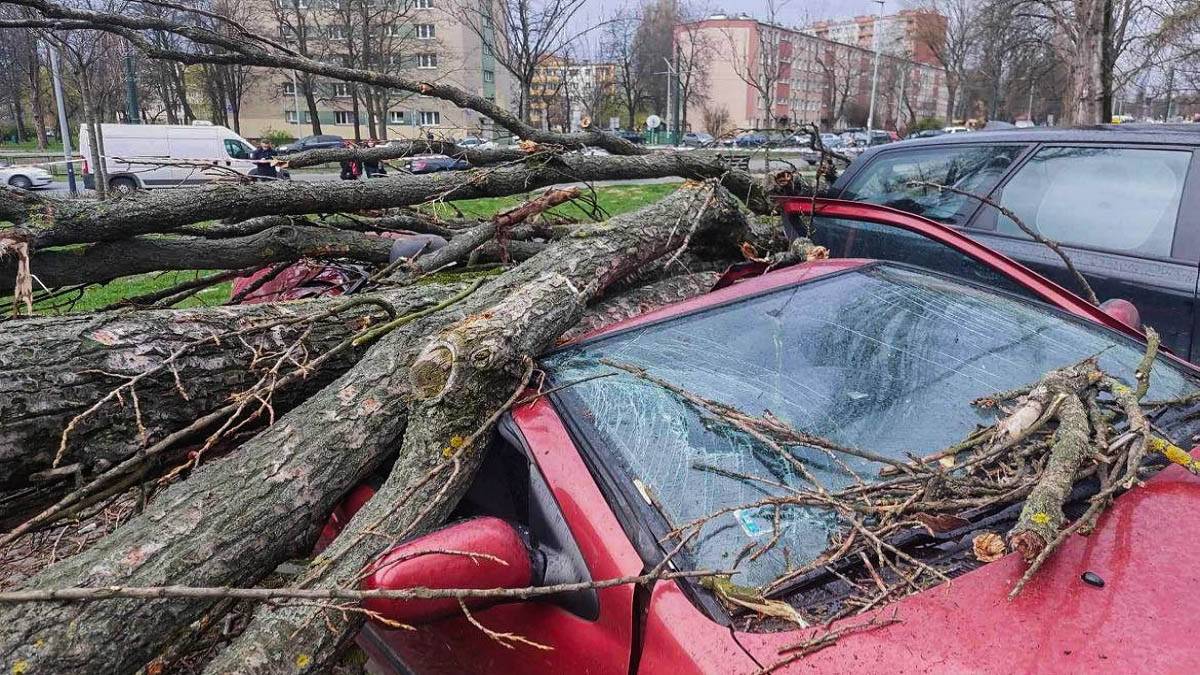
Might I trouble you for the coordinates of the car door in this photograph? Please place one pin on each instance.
(1127, 216)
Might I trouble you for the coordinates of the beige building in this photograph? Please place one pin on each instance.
(420, 40)
(769, 76)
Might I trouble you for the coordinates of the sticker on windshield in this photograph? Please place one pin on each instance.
(755, 522)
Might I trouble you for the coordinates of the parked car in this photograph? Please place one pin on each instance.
(312, 143)
(750, 140)
(473, 142)
(696, 139)
(149, 156)
(1123, 200)
(956, 129)
(587, 482)
(928, 133)
(433, 162)
(25, 177)
(631, 136)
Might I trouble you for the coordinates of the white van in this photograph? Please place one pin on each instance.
(188, 155)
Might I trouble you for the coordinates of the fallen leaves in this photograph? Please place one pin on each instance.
(989, 546)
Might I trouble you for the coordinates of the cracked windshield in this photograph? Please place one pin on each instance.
(884, 360)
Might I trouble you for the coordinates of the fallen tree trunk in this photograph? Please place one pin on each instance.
(98, 263)
(78, 359)
(460, 382)
(233, 520)
(402, 149)
(56, 222)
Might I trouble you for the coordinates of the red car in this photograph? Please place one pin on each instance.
(585, 483)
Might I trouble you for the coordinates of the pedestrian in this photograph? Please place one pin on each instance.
(350, 168)
(372, 167)
(264, 170)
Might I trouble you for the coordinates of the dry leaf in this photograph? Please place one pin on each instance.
(947, 462)
(989, 546)
(941, 522)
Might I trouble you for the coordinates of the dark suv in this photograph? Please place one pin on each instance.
(1124, 200)
(313, 143)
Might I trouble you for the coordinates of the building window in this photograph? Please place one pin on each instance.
(487, 49)
(343, 117)
(289, 88)
(336, 32)
(425, 31)
(430, 118)
(341, 89)
(423, 4)
(291, 117)
(427, 60)
(489, 76)
(395, 117)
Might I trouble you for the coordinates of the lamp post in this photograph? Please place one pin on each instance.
(63, 129)
(875, 70)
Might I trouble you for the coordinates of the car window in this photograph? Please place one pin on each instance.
(237, 149)
(974, 168)
(1123, 199)
(886, 358)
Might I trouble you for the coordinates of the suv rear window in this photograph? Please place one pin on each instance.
(1123, 199)
(974, 168)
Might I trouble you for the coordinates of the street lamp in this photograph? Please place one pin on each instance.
(875, 72)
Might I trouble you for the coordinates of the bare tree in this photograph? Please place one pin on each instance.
(716, 120)
(759, 61)
(620, 48)
(952, 41)
(521, 34)
(693, 55)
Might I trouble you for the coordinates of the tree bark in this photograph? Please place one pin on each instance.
(58, 222)
(459, 382)
(234, 520)
(55, 370)
(98, 263)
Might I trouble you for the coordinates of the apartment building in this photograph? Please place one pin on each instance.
(906, 33)
(565, 91)
(763, 75)
(418, 39)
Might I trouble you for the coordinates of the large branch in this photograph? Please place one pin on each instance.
(235, 519)
(98, 263)
(59, 221)
(242, 51)
(461, 380)
(399, 150)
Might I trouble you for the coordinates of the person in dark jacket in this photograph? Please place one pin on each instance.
(372, 168)
(264, 170)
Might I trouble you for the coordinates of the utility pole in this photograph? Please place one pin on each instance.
(875, 71)
(1170, 93)
(63, 130)
(132, 109)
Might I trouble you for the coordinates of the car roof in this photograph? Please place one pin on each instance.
(1167, 134)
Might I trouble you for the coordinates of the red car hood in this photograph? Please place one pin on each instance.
(1144, 549)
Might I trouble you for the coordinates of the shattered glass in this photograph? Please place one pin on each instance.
(885, 358)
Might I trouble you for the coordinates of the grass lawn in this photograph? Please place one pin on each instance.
(614, 199)
(97, 297)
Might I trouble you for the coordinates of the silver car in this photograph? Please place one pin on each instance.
(25, 177)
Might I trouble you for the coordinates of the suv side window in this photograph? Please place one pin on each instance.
(1122, 199)
(974, 168)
